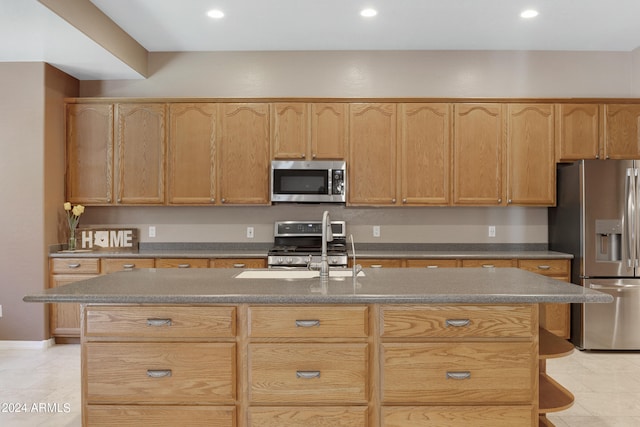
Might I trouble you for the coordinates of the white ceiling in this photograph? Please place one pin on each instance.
(30, 32)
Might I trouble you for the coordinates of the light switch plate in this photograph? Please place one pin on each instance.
(152, 231)
(250, 232)
(492, 231)
(376, 231)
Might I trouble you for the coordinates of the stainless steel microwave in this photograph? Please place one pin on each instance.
(315, 181)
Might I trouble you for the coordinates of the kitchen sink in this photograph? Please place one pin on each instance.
(292, 274)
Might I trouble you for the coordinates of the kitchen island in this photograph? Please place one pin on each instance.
(393, 348)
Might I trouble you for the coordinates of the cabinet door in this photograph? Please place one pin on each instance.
(243, 159)
(328, 131)
(577, 131)
(289, 130)
(65, 317)
(424, 151)
(478, 141)
(140, 153)
(192, 145)
(372, 158)
(531, 167)
(622, 131)
(90, 153)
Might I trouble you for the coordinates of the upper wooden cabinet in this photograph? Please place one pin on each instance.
(577, 132)
(478, 144)
(530, 154)
(192, 146)
(316, 131)
(243, 153)
(372, 154)
(424, 150)
(622, 131)
(140, 153)
(90, 153)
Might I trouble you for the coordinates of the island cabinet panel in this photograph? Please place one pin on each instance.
(295, 416)
(457, 321)
(152, 415)
(456, 416)
(308, 373)
(191, 166)
(308, 322)
(160, 322)
(160, 373)
(468, 372)
(90, 153)
(140, 153)
(478, 149)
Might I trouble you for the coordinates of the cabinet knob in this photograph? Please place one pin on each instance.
(509, 201)
(213, 200)
(499, 200)
(119, 200)
(223, 200)
(302, 156)
(404, 200)
(313, 155)
(393, 200)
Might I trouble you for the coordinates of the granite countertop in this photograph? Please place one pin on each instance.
(389, 286)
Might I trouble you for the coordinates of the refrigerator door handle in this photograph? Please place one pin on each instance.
(619, 288)
(629, 219)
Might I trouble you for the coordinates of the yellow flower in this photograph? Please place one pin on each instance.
(77, 210)
(73, 214)
(67, 206)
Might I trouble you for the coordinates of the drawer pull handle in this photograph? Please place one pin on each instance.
(158, 322)
(76, 265)
(184, 265)
(158, 373)
(457, 323)
(239, 265)
(544, 267)
(376, 266)
(307, 323)
(128, 265)
(307, 375)
(488, 266)
(432, 266)
(458, 375)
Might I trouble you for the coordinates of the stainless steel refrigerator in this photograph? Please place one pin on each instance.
(597, 219)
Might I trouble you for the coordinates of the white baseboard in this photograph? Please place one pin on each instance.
(26, 345)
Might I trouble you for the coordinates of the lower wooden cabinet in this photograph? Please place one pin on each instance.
(378, 366)
(160, 415)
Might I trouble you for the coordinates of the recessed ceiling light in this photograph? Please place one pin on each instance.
(215, 13)
(368, 13)
(529, 13)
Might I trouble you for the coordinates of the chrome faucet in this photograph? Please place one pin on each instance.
(327, 236)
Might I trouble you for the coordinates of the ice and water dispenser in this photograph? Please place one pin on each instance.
(609, 240)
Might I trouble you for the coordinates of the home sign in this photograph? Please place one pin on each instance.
(112, 239)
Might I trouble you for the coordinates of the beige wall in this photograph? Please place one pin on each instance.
(30, 179)
(378, 74)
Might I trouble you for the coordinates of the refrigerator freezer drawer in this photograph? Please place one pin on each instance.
(613, 326)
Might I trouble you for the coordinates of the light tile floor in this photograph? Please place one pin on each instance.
(46, 383)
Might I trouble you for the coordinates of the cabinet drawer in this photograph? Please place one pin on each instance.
(468, 372)
(160, 373)
(182, 263)
(75, 265)
(160, 322)
(111, 265)
(380, 263)
(161, 416)
(548, 267)
(432, 263)
(453, 321)
(239, 263)
(489, 263)
(455, 416)
(308, 322)
(308, 373)
(354, 416)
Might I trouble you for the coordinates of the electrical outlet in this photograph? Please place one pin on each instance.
(0, 311)
(376, 231)
(492, 231)
(152, 231)
(249, 232)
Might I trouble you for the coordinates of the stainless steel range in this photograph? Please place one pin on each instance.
(296, 241)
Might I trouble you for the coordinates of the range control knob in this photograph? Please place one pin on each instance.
(280, 260)
(289, 260)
